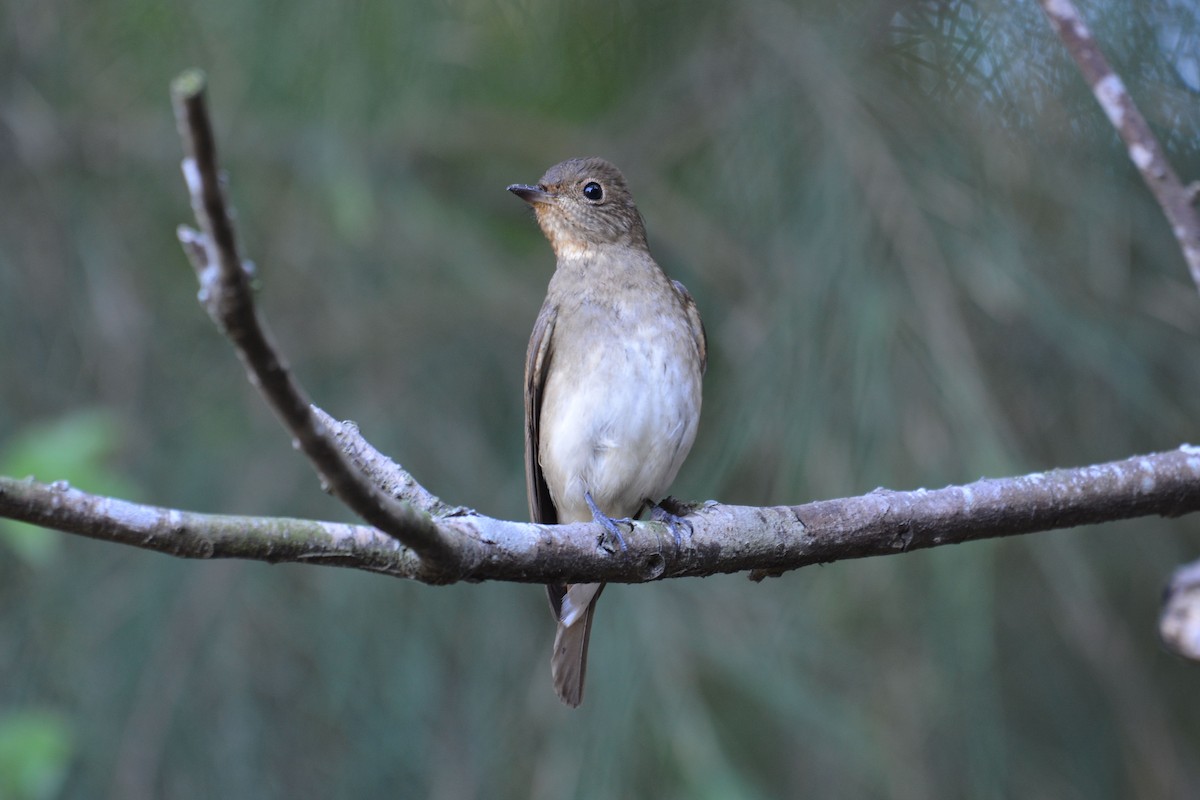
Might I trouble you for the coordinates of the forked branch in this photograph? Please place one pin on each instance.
(431, 541)
(226, 294)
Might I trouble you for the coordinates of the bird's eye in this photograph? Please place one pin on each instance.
(593, 192)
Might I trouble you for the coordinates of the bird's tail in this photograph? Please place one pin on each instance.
(568, 664)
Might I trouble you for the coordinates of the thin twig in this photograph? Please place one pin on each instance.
(1179, 623)
(226, 293)
(383, 472)
(1144, 149)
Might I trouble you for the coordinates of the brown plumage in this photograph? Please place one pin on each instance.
(612, 378)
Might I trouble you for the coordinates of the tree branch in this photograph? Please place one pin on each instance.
(226, 294)
(1179, 623)
(416, 535)
(1144, 149)
(724, 538)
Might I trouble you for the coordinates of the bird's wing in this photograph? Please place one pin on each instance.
(697, 325)
(537, 367)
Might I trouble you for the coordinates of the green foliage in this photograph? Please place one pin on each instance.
(921, 255)
(35, 751)
(78, 449)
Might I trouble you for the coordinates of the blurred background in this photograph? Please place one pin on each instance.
(922, 256)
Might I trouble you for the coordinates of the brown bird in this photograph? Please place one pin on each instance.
(612, 379)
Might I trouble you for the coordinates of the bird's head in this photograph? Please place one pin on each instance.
(583, 203)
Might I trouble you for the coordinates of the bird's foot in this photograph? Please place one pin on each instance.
(612, 526)
(670, 512)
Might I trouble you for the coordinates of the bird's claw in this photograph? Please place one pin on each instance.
(612, 526)
(665, 511)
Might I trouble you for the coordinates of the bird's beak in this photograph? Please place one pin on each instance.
(534, 195)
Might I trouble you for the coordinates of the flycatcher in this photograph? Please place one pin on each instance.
(612, 379)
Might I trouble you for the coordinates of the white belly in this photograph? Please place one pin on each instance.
(621, 422)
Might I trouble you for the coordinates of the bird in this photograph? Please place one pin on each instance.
(612, 380)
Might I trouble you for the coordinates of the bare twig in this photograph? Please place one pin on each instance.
(382, 471)
(724, 538)
(191, 535)
(1179, 624)
(225, 292)
(1144, 149)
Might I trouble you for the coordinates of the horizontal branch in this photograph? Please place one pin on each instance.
(189, 534)
(724, 538)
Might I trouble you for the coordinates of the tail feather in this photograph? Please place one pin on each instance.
(568, 664)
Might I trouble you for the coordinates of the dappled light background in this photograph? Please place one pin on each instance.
(922, 256)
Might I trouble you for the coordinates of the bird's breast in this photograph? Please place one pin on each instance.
(621, 404)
